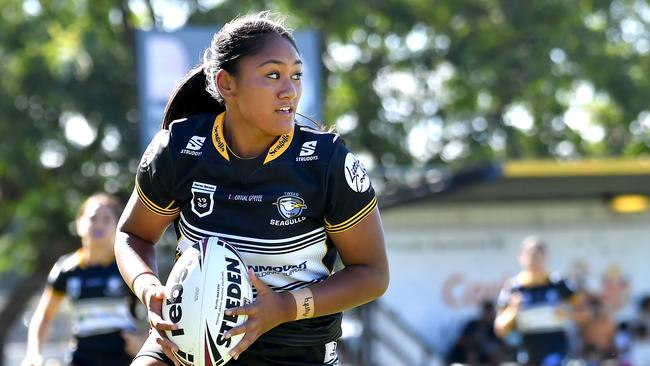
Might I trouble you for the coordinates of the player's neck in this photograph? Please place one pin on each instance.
(532, 277)
(93, 254)
(243, 140)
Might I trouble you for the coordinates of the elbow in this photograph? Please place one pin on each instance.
(381, 280)
(500, 329)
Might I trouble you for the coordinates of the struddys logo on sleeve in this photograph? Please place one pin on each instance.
(355, 174)
(290, 207)
(202, 198)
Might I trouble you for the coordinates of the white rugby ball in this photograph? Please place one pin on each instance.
(206, 280)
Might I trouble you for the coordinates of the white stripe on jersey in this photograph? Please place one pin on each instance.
(282, 264)
(201, 233)
(307, 129)
(243, 247)
(101, 315)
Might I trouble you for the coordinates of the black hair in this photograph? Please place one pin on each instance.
(104, 199)
(242, 37)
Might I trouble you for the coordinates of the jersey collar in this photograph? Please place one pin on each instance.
(219, 141)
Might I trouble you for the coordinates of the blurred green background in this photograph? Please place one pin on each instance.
(408, 83)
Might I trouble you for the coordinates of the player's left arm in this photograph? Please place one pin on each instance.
(364, 278)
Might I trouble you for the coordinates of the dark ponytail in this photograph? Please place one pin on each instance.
(242, 37)
(190, 97)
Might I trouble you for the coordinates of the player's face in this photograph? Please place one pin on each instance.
(97, 224)
(268, 87)
(533, 259)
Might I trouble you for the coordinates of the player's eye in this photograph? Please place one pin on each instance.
(297, 76)
(273, 75)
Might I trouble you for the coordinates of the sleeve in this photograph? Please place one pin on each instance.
(349, 192)
(155, 177)
(567, 289)
(565, 286)
(57, 279)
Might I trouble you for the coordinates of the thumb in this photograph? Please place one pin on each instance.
(159, 292)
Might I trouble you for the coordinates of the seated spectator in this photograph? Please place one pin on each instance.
(644, 312)
(640, 348)
(477, 343)
(598, 333)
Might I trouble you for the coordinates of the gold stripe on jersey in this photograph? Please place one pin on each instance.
(347, 224)
(280, 146)
(218, 139)
(166, 211)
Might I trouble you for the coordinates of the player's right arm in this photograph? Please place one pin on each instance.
(39, 325)
(509, 303)
(149, 211)
(138, 230)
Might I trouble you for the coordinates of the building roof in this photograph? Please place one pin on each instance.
(525, 181)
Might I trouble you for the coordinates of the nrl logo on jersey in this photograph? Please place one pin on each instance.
(290, 207)
(202, 198)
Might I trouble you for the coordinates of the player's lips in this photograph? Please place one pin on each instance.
(286, 109)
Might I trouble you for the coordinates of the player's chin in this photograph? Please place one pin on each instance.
(283, 124)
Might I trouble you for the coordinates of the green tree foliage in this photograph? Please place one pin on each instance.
(407, 82)
(67, 101)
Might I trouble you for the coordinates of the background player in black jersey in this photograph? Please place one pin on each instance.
(238, 166)
(101, 302)
(540, 306)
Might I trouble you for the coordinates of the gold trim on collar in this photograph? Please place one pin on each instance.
(280, 146)
(218, 140)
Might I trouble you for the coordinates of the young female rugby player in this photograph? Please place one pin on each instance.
(234, 164)
(101, 303)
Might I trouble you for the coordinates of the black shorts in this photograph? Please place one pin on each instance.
(100, 350)
(263, 353)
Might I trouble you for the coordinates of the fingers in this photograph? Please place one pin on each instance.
(159, 323)
(260, 286)
(168, 347)
(242, 345)
(235, 331)
(240, 310)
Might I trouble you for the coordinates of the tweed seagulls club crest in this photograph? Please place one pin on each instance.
(290, 207)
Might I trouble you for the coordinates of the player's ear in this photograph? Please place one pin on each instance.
(226, 84)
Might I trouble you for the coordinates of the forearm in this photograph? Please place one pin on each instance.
(37, 334)
(505, 321)
(352, 286)
(136, 259)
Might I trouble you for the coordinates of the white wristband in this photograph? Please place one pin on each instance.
(304, 303)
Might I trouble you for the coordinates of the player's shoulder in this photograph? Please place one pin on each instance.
(313, 143)
(557, 279)
(511, 283)
(191, 132)
(68, 262)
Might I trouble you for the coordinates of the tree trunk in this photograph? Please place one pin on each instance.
(25, 289)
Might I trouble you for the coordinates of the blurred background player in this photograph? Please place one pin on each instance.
(539, 306)
(102, 303)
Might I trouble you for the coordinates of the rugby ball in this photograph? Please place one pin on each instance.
(206, 280)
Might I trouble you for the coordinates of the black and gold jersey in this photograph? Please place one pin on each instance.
(276, 209)
(100, 299)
